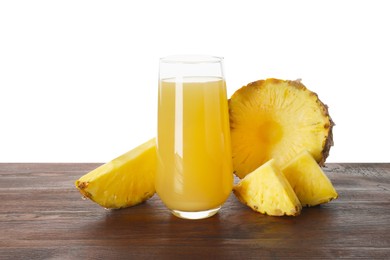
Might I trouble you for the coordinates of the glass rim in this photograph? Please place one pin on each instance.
(191, 59)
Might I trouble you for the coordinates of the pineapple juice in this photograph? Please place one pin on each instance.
(193, 145)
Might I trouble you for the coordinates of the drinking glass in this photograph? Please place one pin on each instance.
(194, 174)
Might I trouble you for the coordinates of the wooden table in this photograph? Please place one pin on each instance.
(42, 216)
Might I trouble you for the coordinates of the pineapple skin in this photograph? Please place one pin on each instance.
(309, 182)
(266, 190)
(248, 115)
(125, 181)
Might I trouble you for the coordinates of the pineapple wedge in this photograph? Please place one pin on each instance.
(277, 119)
(308, 180)
(267, 191)
(123, 182)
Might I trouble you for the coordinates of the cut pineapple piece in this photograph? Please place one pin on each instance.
(308, 180)
(123, 182)
(266, 190)
(277, 119)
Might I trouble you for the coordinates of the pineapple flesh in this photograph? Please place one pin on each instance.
(309, 182)
(277, 119)
(266, 190)
(123, 182)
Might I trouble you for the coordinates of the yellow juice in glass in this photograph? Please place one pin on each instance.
(193, 144)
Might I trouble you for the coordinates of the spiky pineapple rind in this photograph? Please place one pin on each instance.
(132, 201)
(319, 202)
(82, 186)
(277, 212)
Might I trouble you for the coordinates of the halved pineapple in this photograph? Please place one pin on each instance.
(266, 190)
(308, 180)
(277, 119)
(123, 182)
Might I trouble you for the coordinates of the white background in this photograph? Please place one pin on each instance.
(78, 79)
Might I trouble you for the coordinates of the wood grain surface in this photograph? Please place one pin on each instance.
(42, 216)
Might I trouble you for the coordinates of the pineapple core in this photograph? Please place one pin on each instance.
(270, 132)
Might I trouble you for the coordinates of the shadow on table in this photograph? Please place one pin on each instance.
(150, 229)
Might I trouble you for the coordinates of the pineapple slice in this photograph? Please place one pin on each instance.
(277, 119)
(123, 182)
(266, 190)
(308, 180)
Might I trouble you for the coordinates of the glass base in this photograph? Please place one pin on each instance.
(195, 214)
